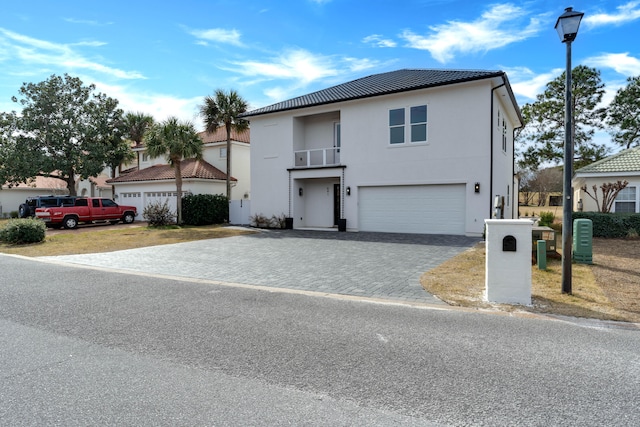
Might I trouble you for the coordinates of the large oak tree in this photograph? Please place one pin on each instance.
(65, 129)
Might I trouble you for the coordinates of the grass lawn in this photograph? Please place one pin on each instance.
(609, 289)
(105, 238)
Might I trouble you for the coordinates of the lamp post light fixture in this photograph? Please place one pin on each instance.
(567, 26)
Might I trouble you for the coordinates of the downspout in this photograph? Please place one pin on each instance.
(491, 151)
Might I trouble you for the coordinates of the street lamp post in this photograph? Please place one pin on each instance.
(567, 26)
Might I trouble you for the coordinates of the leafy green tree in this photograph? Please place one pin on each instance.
(624, 114)
(176, 141)
(224, 109)
(65, 129)
(544, 131)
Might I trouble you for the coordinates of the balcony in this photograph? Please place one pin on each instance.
(317, 158)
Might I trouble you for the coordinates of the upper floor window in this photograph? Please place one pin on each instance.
(145, 157)
(504, 136)
(223, 152)
(626, 200)
(415, 127)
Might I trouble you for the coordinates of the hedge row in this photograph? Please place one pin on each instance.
(611, 225)
(205, 209)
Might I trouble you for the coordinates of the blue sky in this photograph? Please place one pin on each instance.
(162, 58)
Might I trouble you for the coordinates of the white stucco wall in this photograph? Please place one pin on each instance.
(458, 150)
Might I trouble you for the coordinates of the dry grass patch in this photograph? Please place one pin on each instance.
(608, 290)
(108, 240)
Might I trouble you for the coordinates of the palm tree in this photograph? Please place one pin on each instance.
(134, 126)
(224, 109)
(176, 140)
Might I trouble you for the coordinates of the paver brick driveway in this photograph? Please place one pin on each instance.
(378, 265)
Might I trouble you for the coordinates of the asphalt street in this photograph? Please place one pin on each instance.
(83, 346)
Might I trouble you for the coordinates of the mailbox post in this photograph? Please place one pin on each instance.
(508, 261)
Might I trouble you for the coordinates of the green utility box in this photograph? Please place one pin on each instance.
(583, 241)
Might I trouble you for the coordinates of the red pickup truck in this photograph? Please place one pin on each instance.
(86, 210)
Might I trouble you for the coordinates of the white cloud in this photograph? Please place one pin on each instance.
(295, 70)
(298, 64)
(526, 84)
(621, 63)
(497, 27)
(160, 106)
(218, 35)
(626, 13)
(31, 52)
(378, 41)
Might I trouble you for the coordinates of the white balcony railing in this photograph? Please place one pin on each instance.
(317, 158)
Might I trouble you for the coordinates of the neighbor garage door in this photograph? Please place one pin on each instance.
(426, 209)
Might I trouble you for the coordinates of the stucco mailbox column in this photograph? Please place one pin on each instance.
(508, 261)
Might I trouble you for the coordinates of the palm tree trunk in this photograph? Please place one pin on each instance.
(228, 126)
(178, 170)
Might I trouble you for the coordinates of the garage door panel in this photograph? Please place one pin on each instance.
(427, 209)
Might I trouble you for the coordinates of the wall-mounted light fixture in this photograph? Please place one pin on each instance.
(300, 191)
(348, 191)
(476, 187)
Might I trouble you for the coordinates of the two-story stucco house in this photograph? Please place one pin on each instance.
(153, 180)
(414, 151)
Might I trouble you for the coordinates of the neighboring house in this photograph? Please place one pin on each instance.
(95, 187)
(415, 151)
(154, 180)
(623, 166)
(12, 197)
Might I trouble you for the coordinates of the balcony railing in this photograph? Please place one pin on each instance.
(317, 158)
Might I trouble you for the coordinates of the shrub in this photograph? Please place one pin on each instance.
(22, 231)
(205, 209)
(278, 221)
(546, 219)
(611, 225)
(13, 214)
(158, 214)
(261, 221)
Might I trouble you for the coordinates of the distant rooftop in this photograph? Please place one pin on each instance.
(378, 84)
(624, 161)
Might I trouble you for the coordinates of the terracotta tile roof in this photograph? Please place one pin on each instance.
(379, 84)
(100, 181)
(220, 135)
(191, 168)
(43, 182)
(624, 161)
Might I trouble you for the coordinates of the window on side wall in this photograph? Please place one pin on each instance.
(223, 152)
(626, 200)
(415, 127)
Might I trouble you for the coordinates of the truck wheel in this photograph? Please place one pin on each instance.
(128, 218)
(24, 210)
(70, 222)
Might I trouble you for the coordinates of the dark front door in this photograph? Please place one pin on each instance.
(336, 203)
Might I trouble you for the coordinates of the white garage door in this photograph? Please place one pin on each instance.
(425, 209)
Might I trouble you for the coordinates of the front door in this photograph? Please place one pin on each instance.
(336, 203)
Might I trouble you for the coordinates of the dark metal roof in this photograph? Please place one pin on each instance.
(376, 85)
